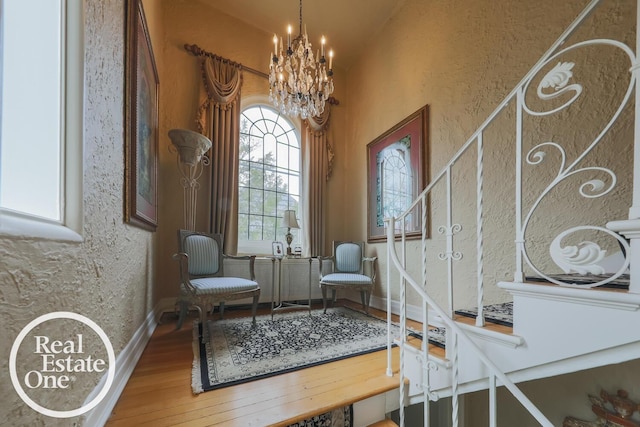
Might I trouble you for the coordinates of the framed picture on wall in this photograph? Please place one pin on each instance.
(141, 122)
(397, 173)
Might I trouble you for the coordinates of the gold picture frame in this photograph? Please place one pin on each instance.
(141, 122)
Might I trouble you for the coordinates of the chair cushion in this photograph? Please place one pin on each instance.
(221, 285)
(203, 254)
(348, 258)
(346, 279)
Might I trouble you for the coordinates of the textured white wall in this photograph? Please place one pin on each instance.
(109, 276)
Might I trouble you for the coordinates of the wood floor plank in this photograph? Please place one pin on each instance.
(159, 390)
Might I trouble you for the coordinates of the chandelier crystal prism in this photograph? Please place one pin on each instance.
(299, 81)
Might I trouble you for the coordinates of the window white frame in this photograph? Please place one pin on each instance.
(69, 228)
(264, 247)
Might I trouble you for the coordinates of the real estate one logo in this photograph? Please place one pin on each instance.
(58, 363)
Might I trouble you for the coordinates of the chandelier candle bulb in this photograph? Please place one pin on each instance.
(275, 47)
(330, 62)
(322, 47)
(289, 38)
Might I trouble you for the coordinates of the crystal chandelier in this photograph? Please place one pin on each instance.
(299, 82)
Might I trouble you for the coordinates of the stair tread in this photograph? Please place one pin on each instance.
(384, 423)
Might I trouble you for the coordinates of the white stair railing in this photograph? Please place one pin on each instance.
(452, 353)
(557, 84)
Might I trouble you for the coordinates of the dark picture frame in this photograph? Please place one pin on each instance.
(141, 122)
(397, 172)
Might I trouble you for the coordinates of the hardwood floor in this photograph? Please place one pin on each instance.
(159, 390)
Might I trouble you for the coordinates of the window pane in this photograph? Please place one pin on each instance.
(270, 203)
(255, 227)
(243, 174)
(269, 228)
(243, 200)
(256, 202)
(283, 156)
(269, 149)
(255, 144)
(243, 227)
(271, 179)
(256, 179)
(38, 25)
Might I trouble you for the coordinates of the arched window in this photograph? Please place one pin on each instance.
(269, 178)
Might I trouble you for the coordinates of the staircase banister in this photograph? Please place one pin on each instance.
(450, 323)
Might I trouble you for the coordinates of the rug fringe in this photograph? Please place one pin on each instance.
(196, 379)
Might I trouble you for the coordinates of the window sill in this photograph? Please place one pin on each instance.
(17, 226)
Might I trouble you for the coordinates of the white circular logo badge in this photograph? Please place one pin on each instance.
(34, 379)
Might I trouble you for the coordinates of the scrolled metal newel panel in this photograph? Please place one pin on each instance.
(584, 257)
(450, 254)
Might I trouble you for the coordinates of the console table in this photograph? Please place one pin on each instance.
(289, 270)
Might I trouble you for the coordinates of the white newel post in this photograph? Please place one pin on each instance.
(631, 228)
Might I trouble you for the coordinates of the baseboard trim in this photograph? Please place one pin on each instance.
(414, 312)
(125, 364)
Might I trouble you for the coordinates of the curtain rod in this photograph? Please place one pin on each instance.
(197, 51)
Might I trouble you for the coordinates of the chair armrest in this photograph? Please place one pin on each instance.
(183, 259)
(372, 260)
(320, 265)
(250, 258)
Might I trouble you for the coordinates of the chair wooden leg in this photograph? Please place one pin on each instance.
(254, 308)
(184, 308)
(221, 309)
(202, 312)
(324, 297)
(364, 295)
(333, 297)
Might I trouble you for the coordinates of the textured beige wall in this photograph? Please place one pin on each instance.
(462, 58)
(109, 276)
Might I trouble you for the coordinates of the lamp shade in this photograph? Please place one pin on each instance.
(289, 219)
(190, 145)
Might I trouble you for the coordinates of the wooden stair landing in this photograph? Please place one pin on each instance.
(159, 390)
(384, 423)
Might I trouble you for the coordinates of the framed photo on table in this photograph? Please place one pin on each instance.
(278, 249)
(397, 172)
(141, 122)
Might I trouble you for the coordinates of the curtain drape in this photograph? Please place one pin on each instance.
(317, 156)
(219, 119)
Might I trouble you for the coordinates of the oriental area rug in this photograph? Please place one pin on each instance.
(237, 352)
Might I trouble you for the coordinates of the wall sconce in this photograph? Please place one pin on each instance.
(190, 147)
(289, 220)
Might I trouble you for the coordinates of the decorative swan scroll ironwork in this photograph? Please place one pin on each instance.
(584, 257)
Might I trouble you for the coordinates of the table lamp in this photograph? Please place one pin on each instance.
(289, 220)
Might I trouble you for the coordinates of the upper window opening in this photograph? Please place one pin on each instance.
(41, 118)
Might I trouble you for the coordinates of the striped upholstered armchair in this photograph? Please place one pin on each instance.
(202, 279)
(348, 272)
